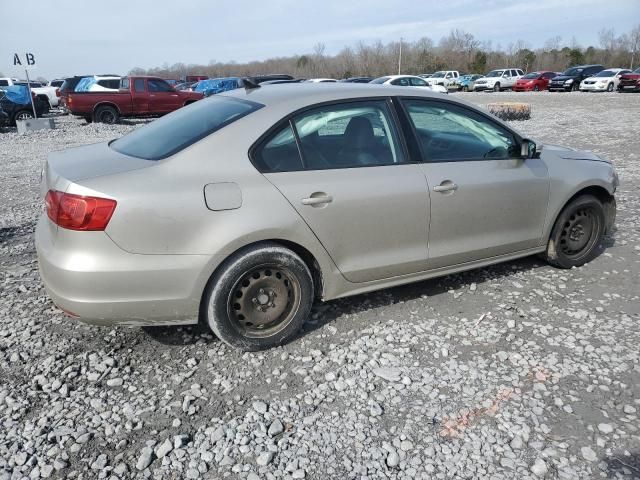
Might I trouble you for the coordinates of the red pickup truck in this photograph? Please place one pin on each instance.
(137, 97)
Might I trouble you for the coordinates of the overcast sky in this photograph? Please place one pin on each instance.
(84, 37)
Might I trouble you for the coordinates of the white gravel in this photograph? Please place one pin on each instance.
(513, 371)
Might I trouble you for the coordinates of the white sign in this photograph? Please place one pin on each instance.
(26, 61)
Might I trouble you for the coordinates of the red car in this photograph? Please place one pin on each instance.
(630, 82)
(137, 97)
(534, 81)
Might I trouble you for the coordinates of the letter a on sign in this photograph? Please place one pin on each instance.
(16, 60)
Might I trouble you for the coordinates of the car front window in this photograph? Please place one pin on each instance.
(380, 80)
(447, 133)
(495, 73)
(438, 75)
(606, 73)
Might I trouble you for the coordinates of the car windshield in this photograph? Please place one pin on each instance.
(438, 75)
(531, 76)
(380, 80)
(176, 131)
(637, 70)
(571, 72)
(606, 73)
(495, 73)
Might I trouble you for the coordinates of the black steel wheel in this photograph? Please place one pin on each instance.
(264, 301)
(577, 233)
(259, 298)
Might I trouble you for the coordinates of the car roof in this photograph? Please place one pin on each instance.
(393, 77)
(295, 96)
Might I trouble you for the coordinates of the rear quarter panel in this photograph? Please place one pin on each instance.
(162, 209)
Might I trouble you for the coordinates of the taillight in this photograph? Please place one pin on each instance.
(77, 212)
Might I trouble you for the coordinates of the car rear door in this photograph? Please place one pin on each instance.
(139, 96)
(345, 171)
(485, 200)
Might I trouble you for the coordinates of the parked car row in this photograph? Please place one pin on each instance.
(585, 78)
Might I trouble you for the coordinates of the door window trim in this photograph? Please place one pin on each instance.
(412, 130)
(288, 121)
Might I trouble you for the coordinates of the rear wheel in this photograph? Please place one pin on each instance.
(496, 87)
(260, 298)
(106, 114)
(577, 233)
(23, 115)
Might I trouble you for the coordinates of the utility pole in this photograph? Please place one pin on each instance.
(400, 58)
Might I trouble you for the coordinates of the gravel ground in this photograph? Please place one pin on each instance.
(513, 371)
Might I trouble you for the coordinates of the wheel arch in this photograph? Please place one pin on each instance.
(598, 191)
(305, 254)
(106, 104)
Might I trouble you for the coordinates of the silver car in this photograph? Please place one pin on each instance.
(241, 209)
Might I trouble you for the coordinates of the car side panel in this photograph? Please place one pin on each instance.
(568, 177)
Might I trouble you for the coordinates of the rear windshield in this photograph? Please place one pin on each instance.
(172, 133)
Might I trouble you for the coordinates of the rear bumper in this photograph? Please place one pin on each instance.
(87, 275)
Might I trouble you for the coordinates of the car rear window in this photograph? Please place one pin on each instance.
(172, 133)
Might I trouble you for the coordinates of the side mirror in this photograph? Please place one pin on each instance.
(528, 149)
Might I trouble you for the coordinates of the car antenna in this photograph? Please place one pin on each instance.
(250, 83)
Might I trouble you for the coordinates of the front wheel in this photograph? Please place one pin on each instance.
(610, 87)
(536, 88)
(496, 87)
(577, 233)
(259, 298)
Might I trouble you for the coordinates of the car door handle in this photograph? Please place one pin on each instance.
(446, 186)
(319, 200)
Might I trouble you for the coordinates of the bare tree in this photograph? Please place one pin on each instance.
(458, 50)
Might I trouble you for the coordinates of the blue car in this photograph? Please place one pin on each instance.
(465, 83)
(212, 86)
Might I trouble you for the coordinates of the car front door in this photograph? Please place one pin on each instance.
(162, 97)
(344, 170)
(486, 201)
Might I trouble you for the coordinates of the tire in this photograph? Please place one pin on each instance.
(239, 298)
(575, 86)
(610, 87)
(22, 115)
(496, 87)
(106, 114)
(465, 88)
(536, 88)
(577, 233)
